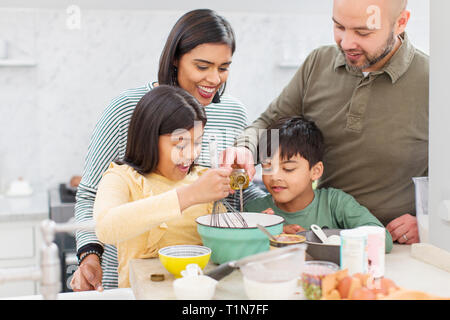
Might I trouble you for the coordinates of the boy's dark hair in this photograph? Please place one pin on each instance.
(191, 30)
(297, 136)
(160, 111)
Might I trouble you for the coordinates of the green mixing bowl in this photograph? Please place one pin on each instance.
(231, 243)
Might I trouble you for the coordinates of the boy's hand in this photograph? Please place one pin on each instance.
(292, 228)
(268, 211)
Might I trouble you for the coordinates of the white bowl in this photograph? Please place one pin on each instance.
(195, 288)
(258, 290)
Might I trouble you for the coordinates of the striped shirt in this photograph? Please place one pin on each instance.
(226, 120)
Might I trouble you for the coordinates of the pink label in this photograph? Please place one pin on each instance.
(376, 248)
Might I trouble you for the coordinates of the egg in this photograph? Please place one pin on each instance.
(363, 294)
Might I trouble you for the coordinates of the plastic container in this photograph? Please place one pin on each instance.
(376, 244)
(421, 195)
(260, 290)
(275, 278)
(313, 273)
(354, 251)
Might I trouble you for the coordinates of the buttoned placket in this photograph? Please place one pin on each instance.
(359, 102)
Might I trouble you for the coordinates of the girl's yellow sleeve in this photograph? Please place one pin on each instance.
(117, 219)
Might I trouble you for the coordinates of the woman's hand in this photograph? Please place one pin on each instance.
(88, 276)
(213, 185)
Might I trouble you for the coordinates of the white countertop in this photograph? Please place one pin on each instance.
(34, 207)
(404, 270)
(410, 273)
(112, 294)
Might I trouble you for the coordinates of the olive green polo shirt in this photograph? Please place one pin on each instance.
(375, 127)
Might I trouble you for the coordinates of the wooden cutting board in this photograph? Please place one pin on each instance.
(229, 288)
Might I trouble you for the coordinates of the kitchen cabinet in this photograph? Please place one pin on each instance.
(21, 239)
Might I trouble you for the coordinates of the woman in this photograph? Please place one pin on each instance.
(196, 57)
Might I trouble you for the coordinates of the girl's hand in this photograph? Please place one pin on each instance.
(213, 185)
(268, 211)
(292, 228)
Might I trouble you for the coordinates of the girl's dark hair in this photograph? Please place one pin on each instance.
(160, 111)
(297, 136)
(192, 29)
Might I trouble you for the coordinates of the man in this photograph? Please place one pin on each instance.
(369, 96)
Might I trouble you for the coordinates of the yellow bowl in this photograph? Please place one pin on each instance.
(176, 258)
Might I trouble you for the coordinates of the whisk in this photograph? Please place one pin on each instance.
(232, 218)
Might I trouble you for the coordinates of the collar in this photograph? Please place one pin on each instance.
(151, 85)
(395, 67)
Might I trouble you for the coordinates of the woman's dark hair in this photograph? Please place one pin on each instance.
(160, 111)
(192, 29)
(296, 136)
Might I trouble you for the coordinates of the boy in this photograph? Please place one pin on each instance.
(289, 174)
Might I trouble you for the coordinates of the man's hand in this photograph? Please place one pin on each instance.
(404, 229)
(88, 276)
(240, 156)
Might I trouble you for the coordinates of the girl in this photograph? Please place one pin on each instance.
(151, 199)
(196, 57)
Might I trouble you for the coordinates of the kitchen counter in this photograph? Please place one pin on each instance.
(406, 272)
(112, 294)
(28, 208)
(410, 273)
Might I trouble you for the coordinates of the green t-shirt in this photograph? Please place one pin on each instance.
(331, 208)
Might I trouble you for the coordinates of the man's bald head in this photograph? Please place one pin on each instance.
(397, 7)
(389, 9)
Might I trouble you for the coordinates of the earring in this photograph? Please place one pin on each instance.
(175, 75)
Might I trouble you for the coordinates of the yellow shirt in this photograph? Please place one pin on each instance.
(141, 214)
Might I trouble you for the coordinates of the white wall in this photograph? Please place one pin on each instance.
(439, 174)
(49, 111)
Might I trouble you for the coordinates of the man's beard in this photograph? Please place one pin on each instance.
(373, 59)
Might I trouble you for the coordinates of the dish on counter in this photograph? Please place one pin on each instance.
(285, 239)
(176, 258)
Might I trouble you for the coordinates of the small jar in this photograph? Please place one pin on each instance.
(376, 244)
(239, 179)
(313, 273)
(354, 251)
